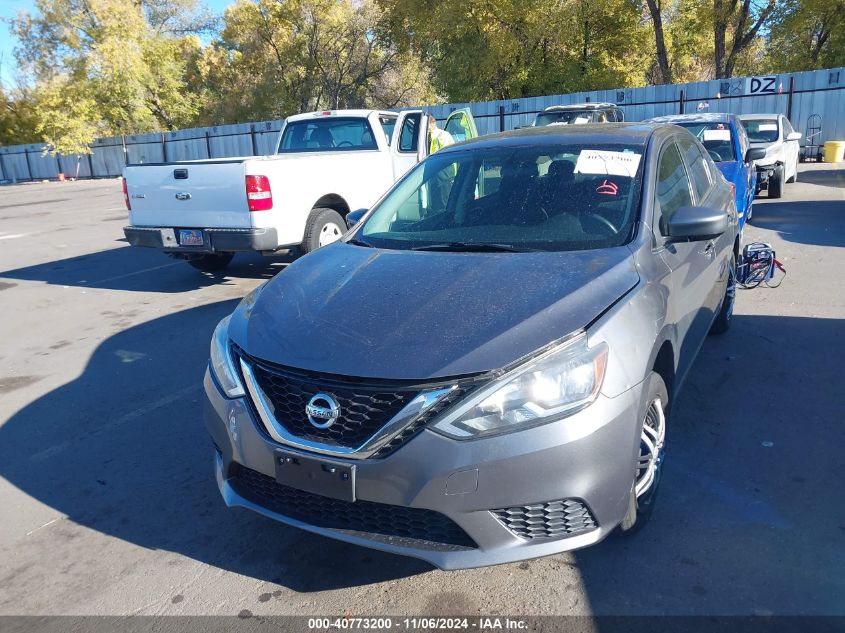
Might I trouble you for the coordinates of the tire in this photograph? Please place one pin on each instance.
(726, 311)
(650, 457)
(323, 227)
(776, 183)
(212, 263)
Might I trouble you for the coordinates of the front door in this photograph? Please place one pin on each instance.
(694, 265)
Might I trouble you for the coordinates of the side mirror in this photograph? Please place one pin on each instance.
(353, 217)
(793, 136)
(694, 224)
(755, 153)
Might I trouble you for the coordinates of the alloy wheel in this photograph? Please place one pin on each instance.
(651, 448)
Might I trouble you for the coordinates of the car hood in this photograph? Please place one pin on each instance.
(375, 313)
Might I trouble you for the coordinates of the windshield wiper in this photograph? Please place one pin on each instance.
(470, 247)
(355, 242)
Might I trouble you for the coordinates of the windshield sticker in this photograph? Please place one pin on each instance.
(768, 127)
(717, 135)
(608, 188)
(607, 163)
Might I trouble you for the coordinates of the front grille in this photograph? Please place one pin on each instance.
(552, 519)
(397, 525)
(366, 405)
(364, 408)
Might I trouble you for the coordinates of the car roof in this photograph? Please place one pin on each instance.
(360, 113)
(748, 117)
(699, 117)
(579, 106)
(595, 133)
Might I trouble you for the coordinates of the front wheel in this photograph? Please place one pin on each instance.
(323, 227)
(726, 312)
(650, 456)
(211, 263)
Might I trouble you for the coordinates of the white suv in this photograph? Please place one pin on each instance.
(774, 133)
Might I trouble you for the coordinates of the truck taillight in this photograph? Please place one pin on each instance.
(126, 195)
(258, 194)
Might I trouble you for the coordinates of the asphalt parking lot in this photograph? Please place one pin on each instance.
(109, 505)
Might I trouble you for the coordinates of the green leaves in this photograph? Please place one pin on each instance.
(101, 68)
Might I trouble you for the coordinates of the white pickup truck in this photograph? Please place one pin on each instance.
(326, 164)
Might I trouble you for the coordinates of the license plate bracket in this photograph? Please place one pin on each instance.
(191, 237)
(316, 475)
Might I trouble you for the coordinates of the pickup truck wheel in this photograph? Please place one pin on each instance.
(324, 226)
(211, 263)
(776, 183)
(649, 457)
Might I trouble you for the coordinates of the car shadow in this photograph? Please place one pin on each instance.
(752, 487)
(820, 223)
(122, 450)
(143, 270)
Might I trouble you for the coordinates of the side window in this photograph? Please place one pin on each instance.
(673, 187)
(409, 139)
(743, 140)
(387, 124)
(457, 126)
(620, 116)
(697, 167)
(787, 127)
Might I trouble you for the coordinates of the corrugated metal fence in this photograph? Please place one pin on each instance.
(797, 95)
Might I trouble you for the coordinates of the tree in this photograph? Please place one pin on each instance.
(807, 35)
(736, 24)
(500, 49)
(275, 59)
(107, 66)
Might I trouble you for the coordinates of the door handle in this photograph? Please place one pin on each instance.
(710, 249)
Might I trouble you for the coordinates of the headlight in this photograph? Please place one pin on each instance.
(547, 388)
(221, 361)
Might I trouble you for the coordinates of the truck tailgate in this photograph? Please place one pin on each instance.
(201, 194)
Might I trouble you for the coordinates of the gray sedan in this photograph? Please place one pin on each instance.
(482, 369)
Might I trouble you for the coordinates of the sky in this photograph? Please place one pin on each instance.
(8, 10)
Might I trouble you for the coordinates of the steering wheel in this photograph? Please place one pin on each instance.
(605, 221)
(715, 156)
(342, 143)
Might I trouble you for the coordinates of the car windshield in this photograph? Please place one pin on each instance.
(567, 117)
(761, 130)
(717, 139)
(546, 197)
(327, 133)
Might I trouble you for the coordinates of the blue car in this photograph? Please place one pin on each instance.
(725, 139)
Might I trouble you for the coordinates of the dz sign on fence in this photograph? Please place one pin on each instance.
(762, 85)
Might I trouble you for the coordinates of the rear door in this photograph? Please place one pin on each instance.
(205, 194)
(461, 125)
(693, 264)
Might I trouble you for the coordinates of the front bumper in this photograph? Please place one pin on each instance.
(588, 458)
(217, 240)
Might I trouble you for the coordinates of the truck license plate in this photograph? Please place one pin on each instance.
(190, 237)
(322, 477)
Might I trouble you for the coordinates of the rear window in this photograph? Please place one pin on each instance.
(570, 117)
(717, 138)
(327, 134)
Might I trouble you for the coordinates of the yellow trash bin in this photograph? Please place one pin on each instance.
(834, 151)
